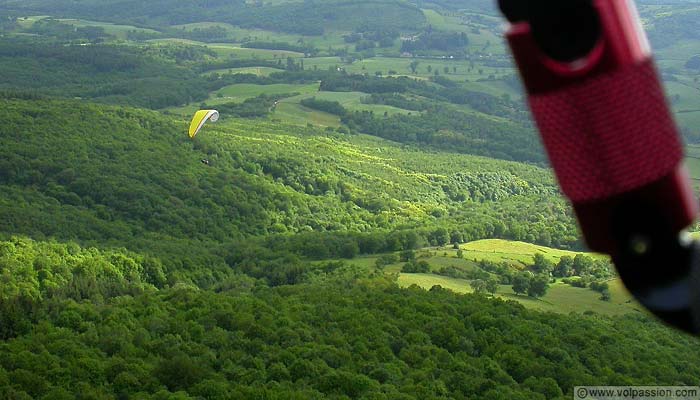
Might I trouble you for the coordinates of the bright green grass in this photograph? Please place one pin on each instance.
(560, 298)
(290, 110)
(401, 65)
(563, 298)
(226, 50)
(443, 23)
(516, 253)
(259, 71)
(241, 35)
(242, 91)
(496, 88)
(119, 31)
(485, 40)
(439, 262)
(297, 114)
(426, 281)
(351, 101)
(27, 22)
(176, 41)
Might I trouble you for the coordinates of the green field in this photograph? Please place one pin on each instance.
(517, 253)
(466, 70)
(240, 92)
(294, 113)
(352, 101)
(27, 22)
(228, 50)
(259, 71)
(241, 35)
(485, 40)
(496, 88)
(290, 110)
(119, 31)
(442, 22)
(116, 30)
(560, 297)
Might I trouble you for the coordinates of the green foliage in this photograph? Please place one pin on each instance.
(489, 285)
(600, 287)
(582, 265)
(542, 265)
(56, 29)
(416, 267)
(255, 107)
(538, 285)
(397, 100)
(219, 64)
(307, 18)
(365, 340)
(454, 130)
(8, 23)
(331, 107)
(210, 34)
(521, 283)
(433, 41)
(565, 267)
(386, 259)
(132, 178)
(36, 271)
(306, 49)
(407, 256)
(105, 73)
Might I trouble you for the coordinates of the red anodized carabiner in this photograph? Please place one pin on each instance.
(600, 108)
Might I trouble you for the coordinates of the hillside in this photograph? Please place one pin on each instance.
(309, 17)
(127, 176)
(97, 326)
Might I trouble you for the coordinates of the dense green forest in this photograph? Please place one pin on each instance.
(126, 75)
(371, 218)
(250, 190)
(94, 323)
(158, 77)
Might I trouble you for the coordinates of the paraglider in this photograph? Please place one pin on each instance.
(200, 118)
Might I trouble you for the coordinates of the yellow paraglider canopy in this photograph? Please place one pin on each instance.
(200, 118)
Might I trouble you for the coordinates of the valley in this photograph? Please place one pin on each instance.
(373, 216)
